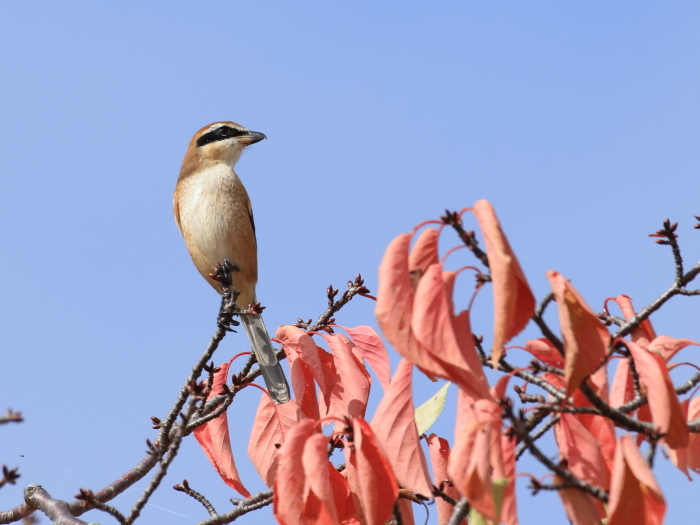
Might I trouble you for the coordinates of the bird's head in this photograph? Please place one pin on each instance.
(220, 142)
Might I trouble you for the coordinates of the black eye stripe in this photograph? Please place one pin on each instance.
(222, 133)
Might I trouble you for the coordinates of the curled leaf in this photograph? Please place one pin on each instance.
(513, 301)
(586, 339)
(372, 350)
(666, 412)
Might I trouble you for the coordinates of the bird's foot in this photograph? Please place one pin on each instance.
(222, 272)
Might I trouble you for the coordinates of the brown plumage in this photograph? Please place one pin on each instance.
(214, 214)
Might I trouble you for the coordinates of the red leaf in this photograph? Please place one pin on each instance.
(296, 339)
(315, 462)
(289, 485)
(423, 254)
(353, 480)
(406, 510)
(582, 451)
(304, 388)
(635, 496)
(477, 458)
(395, 428)
(394, 307)
(679, 456)
(513, 301)
(667, 347)
(603, 431)
(372, 350)
(666, 413)
(271, 426)
(434, 328)
(585, 337)
(622, 390)
(509, 513)
(439, 455)
(579, 506)
(341, 493)
(545, 351)
(644, 330)
(215, 440)
(694, 442)
(333, 380)
(349, 396)
(377, 483)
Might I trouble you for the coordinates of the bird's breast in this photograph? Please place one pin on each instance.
(214, 217)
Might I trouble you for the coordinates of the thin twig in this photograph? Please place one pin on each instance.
(185, 487)
(537, 435)
(245, 506)
(452, 218)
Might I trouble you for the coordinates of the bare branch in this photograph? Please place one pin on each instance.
(55, 509)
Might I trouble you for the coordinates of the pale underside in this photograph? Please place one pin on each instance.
(213, 212)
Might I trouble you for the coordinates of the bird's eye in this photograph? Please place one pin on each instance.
(225, 132)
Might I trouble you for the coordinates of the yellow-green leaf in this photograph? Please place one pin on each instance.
(426, 414)
(499, 490)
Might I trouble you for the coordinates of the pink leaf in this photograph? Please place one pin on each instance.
(582, 451)
(434, 328)
(694, 442)
(439, 455)
(315, 462)
(513, 301)
(377, 483)
(477, 458)
(622, 390)
(296, 339)
(509, 513)
(579, 506)
(289, 485)
(406, 510)
(679, 456)
(271, 425)
(666, 412)
(644, 330)
(215, 440)
(350, 395)
(372, 350)
(353, 480)
(667, 347)
(394, 307)
(341, 493)
(304, 388)
(395, 428)
(586, 339)
(545, 351)
(423, 254)
(635, 496)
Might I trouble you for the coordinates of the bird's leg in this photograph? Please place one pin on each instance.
(228, 308)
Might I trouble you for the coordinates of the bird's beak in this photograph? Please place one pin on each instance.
(252, 137)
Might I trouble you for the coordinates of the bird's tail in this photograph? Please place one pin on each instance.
(269, 365)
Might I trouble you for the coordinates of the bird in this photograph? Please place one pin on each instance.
(214, 214)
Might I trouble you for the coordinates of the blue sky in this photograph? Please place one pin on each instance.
(578, 121)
